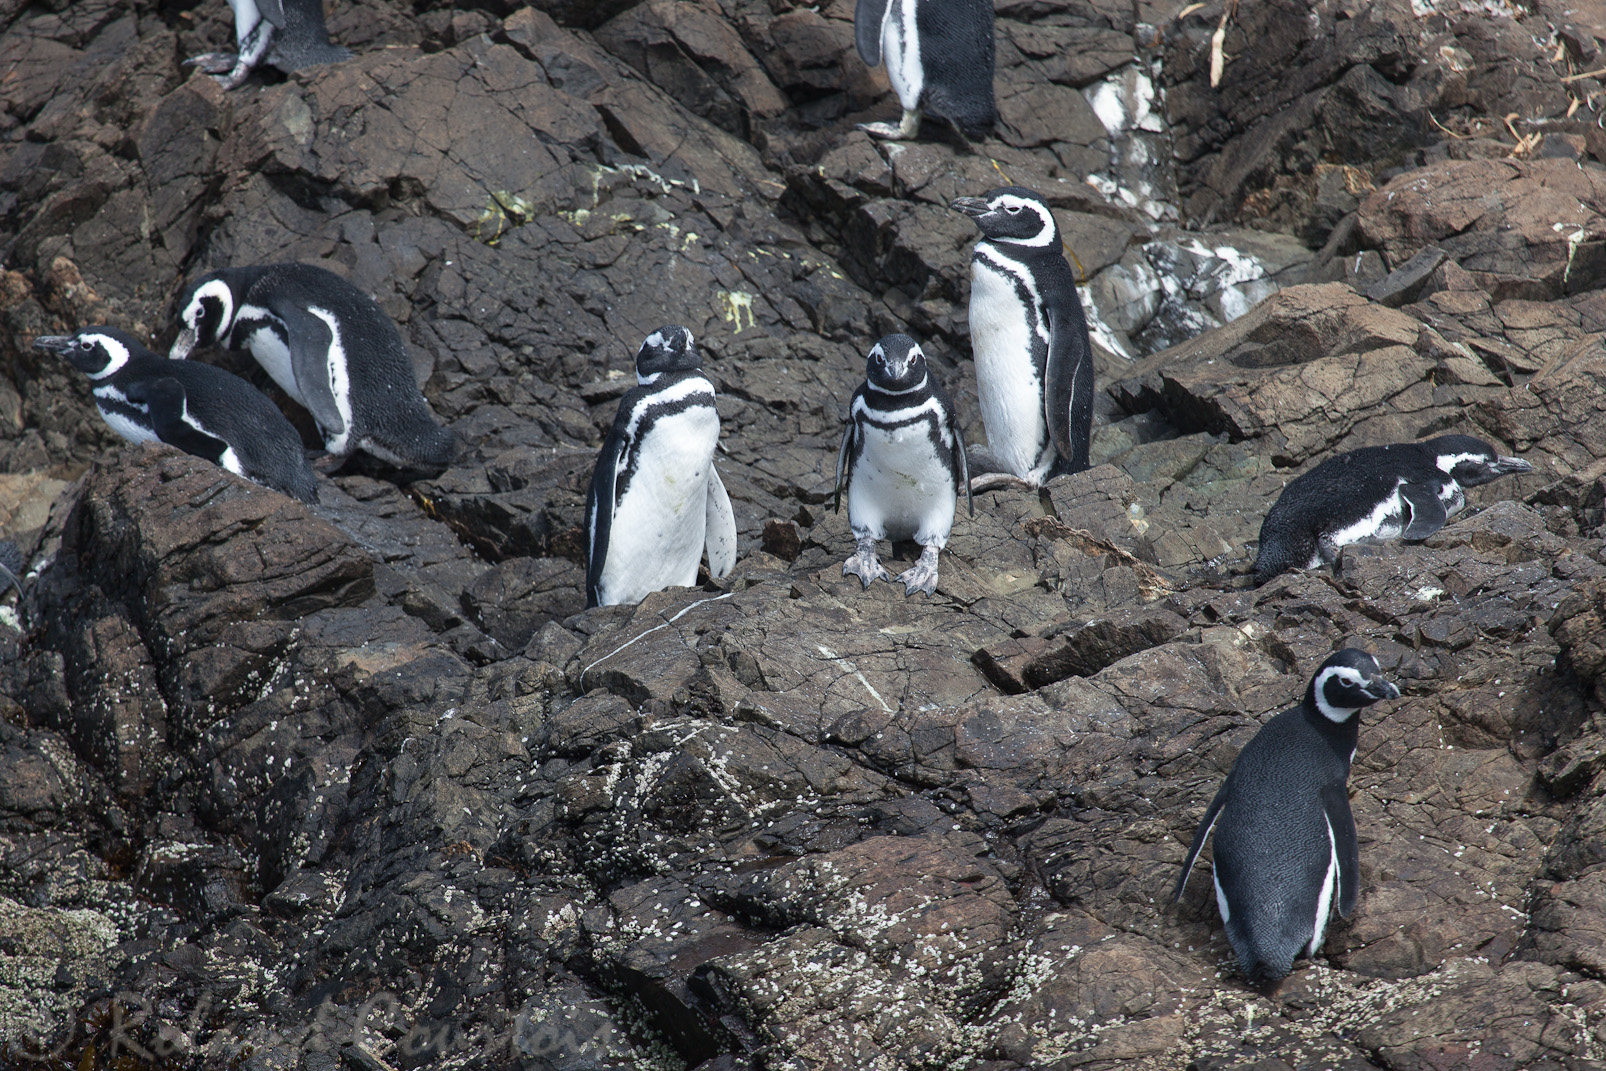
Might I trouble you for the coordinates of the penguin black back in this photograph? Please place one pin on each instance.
(1372, 495)
(330, 347)
(201, 410)
(1286, 853)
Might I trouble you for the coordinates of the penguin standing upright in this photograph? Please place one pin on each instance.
(1034, 360)
(902, 462)
(1286, 854)
(939, 57)
(329, 346)
(287, 34)
(202, 410)
(656, 499)
(1373, 495)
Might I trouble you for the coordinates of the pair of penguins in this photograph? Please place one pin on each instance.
(327, 344)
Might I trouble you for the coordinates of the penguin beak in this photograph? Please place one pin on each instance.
(973, 207)
(56, 344)
(1506, 465)
(183, 344)
(1378, 688)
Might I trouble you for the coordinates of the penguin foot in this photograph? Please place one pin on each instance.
(922, 576)
(903, 131)
(865, 565)
(992, 481)
(214, 62)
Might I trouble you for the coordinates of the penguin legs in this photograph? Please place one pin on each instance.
(922, 576)
(231, 68)
(908, 128)
(864, 564)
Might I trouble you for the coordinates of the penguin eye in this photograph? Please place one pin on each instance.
(1013, 210)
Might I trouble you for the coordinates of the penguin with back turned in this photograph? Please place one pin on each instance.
(329, 346)
(1028, 334)
(1286, 854)
(205, 411)
(1373, 495)
(902, 462)
(287, 34)
(656, 499)
(939, 57)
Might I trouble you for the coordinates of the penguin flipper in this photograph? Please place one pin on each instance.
(1427, 510)
(1068, 392)
(1200, 835)
(719, 527)
(311, 341)
(272, 11)
(164, 400)
(844, 460)
(1335, 803)
(601, 499)
(868, 18)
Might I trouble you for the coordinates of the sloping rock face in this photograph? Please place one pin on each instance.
(362, 785)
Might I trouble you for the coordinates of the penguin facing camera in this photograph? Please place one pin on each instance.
(1374, 495)
(1028, 334)
(1286, 855)
(202, 410)
(287, 34)
(330, 347)
(656, 500)
(902, 462)
(939, 58)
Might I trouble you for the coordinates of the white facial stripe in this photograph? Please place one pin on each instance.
(116, 354)
(906, 390)
(219, 291)
(339, 382)
(1448, 462)
(1343, 673)
(1045, 220)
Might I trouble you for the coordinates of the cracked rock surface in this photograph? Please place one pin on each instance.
(362, 785)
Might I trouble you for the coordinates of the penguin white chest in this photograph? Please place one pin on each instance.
(269, 349)
(1002, 337)
(660, 522)
(128, 428)
(900, 50)
(901, 488)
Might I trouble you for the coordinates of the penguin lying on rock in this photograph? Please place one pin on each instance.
(1373, 495)
(287, 34)
(1034, 360)
(902, 462)
(329, 346)
(1286, 854)
(939, 56)
(202, 410)
(656, 499)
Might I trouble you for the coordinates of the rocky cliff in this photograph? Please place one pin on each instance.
(360, 786)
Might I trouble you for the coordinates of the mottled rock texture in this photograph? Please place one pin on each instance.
(361, 786)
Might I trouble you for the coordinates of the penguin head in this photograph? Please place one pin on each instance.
(1349, 680)
(1012, 214)
(668, 349)
(205, 314)
(97, 352)
(896, 365)
(1470, 462)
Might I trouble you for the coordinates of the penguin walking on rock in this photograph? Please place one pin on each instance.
(1374, 495)
(202, 410)
(1034, 360)
(1286, 855)
(329, 346)
(287, 34)
(656, 500)
(939, 57)
(902, 462)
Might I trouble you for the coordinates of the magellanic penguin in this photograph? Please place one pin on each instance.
(1286, 854)
(656, 499)
(939, 57)
(1373, 495)
(902, 462)
(287, 34)
(329, 346)
(1034, 361)
(202, 410)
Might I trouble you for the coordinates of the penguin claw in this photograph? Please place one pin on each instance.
(922, 576)
(213, 63)
(866, 568)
